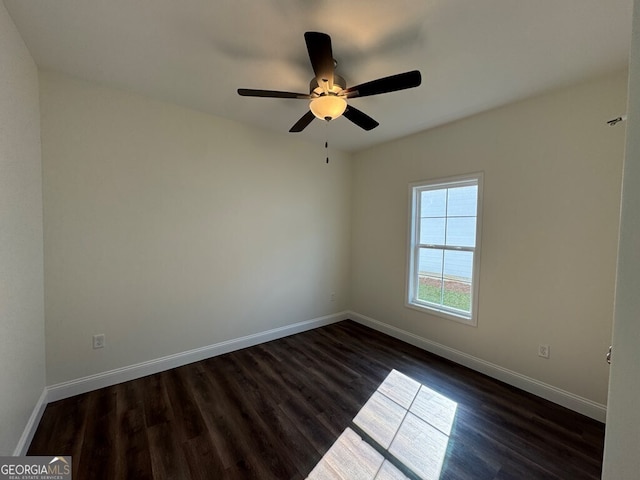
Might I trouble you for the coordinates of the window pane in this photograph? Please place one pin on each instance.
(430, 262)
(463, 201)
(432, 231)
(458, 270)
(430, 275)
(433, 203)
(461, 231)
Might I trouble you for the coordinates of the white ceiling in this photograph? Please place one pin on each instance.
(473, 54)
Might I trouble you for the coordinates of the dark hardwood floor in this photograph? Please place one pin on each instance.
(272, 411)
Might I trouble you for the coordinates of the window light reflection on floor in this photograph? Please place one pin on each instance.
(403, 428)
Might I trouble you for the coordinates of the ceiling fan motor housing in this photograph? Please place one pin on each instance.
(339, 84)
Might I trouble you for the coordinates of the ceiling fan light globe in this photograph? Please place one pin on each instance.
(328, 107)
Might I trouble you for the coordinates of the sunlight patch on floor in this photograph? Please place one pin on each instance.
(406, 428)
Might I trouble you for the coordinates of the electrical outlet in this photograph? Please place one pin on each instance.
(98, 341)
(332, 296)
(543, 351)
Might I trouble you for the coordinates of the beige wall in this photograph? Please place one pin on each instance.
(168, 230)
(551, 205)
(22, 366)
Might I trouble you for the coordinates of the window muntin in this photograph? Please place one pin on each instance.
(444, 247)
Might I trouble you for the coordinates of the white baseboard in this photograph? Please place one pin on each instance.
(131, 372)
(32, 425)
(573, 402)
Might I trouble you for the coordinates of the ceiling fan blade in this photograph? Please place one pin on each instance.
(321, 56)
(361, 119)
(248, 92)
(393, 83)
(301, 124)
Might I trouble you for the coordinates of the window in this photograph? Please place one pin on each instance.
(444, 247)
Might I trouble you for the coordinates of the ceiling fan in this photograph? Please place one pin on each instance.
(328, 92)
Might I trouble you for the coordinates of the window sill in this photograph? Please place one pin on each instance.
(471, 322)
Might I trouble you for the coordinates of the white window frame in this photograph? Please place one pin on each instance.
(411, 300)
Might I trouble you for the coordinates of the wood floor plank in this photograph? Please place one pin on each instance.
(213, 416)
(134, 459)
(202, 458)
(157, 407)
(186, 417)
(272, 411)
(168, 460)
(98, 455)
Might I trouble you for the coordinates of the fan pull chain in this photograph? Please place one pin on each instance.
(326, 141)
